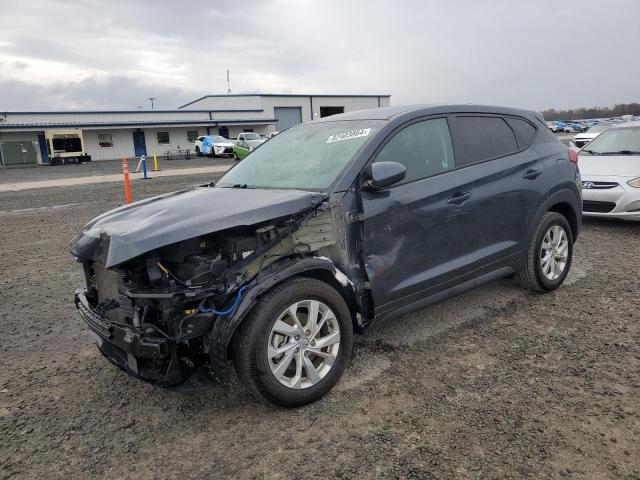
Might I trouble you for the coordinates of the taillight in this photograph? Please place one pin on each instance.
(573, 156)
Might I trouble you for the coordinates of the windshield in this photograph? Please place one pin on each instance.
(600, 127)
(305, 157)
(251, 136)
(615, 141)
(219, 139)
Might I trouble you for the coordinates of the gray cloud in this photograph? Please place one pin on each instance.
(535, 54)
(93, 92)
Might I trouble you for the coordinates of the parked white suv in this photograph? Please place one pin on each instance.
(214, 145)
(583, 138)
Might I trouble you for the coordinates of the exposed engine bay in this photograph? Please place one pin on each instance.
(153, 315)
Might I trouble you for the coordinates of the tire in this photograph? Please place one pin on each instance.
(254, 341)
(236, 157)
(198, 152)
(537, 275)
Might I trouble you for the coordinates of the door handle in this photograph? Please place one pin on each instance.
(531, 174)
(459, 198)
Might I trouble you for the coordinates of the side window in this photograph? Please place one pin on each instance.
(482, 138)
(424, 148)
(524, 131)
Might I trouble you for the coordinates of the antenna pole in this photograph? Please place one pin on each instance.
(228, 84)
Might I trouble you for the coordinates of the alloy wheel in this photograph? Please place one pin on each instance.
(303, 344)
(554, 252)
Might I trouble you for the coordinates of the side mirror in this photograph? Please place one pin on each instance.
(384, 174)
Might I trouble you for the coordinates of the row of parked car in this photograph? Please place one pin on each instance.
(238, 148)
(568, 127)
(576, 126)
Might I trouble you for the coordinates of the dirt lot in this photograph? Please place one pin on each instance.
(497, 383)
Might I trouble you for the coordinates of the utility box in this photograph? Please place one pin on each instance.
(17, 154)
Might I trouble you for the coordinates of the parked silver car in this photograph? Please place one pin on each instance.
(610, 168)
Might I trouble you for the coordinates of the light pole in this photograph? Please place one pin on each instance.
(152, 99)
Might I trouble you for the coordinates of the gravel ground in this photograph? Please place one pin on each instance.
(496, 383)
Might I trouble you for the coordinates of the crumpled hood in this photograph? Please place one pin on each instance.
(126, 232)
(609, 165)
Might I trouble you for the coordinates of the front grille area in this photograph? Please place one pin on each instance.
(598, 185)
(597, 207)
(108, 285)
(228, 149)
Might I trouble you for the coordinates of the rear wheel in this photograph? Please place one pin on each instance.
(296, 343)
(549, 255)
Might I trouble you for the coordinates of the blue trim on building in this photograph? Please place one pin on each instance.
(108, 112)
(44, 126)
(279, 95)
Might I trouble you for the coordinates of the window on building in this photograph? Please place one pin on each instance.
(105, 140)
(424, 148)
(328, 111)
(482, 138)
(163, 138)
(247, 130)
(192, 135)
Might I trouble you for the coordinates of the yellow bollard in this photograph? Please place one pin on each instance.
(155, 162)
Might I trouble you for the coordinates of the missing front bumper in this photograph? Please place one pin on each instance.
(143, 355)
(132, 349)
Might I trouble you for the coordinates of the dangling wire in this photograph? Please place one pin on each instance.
(229, 310)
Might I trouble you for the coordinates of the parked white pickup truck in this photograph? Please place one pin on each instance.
(246, 136)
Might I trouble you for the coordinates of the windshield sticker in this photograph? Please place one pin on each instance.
(362, 132)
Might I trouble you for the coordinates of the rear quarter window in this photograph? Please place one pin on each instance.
(478, 139)
(524, 131)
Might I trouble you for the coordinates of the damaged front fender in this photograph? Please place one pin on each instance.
(224, 328)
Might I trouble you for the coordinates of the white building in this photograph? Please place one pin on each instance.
(114, 134)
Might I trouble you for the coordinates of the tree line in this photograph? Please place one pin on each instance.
(593, 112)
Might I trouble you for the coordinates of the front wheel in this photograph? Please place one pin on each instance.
(296, 343)
(549, 254)
(198, 152)
(236, 157)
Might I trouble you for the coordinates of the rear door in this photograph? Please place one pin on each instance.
(503, 174)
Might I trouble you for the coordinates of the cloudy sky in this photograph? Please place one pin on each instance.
(111, 54)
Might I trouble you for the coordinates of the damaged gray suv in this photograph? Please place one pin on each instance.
(322, 231)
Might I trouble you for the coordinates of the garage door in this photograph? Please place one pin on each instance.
(287, 117)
